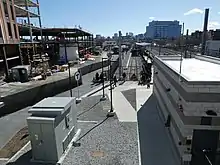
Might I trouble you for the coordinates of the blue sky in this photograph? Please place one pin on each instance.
(108, 16)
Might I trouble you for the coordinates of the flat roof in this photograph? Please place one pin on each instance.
(195, 70)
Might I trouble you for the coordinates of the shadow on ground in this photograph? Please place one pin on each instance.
(25, 159)
(154, 142)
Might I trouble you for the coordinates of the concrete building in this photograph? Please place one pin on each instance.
(140, 37)
(197, 35)
(131, 34)
(214, 35)
(109, 44)
(212, 48)
(115, 37)
(98, 37)
(163, 29)
(189, 106)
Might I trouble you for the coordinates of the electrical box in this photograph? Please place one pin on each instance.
(52, 126)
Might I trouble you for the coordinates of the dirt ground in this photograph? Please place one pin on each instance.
(15, 144)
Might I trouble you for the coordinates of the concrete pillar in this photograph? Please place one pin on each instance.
(120, 56)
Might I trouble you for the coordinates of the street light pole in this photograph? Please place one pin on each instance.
(103, 82)
(71, 93)
(111, 112)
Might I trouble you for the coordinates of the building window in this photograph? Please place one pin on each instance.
(6, 10)
(12, 12)
(16, 34)
(1, 32)
(9, 30)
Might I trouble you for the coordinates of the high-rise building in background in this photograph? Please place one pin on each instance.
(131, 34)
(98, 36)
(163, 30)
(115, 36)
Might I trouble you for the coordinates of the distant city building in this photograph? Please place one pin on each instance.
(98, 36)
(109, 44)
(196, 38)
(140, 37)
(131, 34)
(115, 36)
(163, 29)
(214, 35)
(197, 35)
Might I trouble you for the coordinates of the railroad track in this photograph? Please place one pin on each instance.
(135, 66)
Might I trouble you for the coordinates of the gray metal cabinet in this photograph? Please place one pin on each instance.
(52, 126)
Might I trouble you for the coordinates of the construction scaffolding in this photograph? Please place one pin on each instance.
(14, 20)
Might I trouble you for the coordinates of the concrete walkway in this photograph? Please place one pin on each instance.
(122, 107)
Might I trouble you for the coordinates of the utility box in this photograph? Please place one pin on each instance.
(52, 126)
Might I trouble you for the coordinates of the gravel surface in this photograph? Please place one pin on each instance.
(112, 143)
(130, 95)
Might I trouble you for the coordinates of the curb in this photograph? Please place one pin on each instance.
(17, 155)
(13, 158)
(75, 138)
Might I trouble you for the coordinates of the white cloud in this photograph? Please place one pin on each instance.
(213, 25)
(219, 12)
(151, 18)
(194, 11)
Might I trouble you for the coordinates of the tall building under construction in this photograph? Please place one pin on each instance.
(24, 41)
(16, 16)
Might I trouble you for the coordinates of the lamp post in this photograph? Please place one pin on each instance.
(111, 112)
(71, 93)
(103, 81)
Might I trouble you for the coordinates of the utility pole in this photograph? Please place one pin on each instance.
(186, 43)
(120, 56)
(103, 82)
(111, 112)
